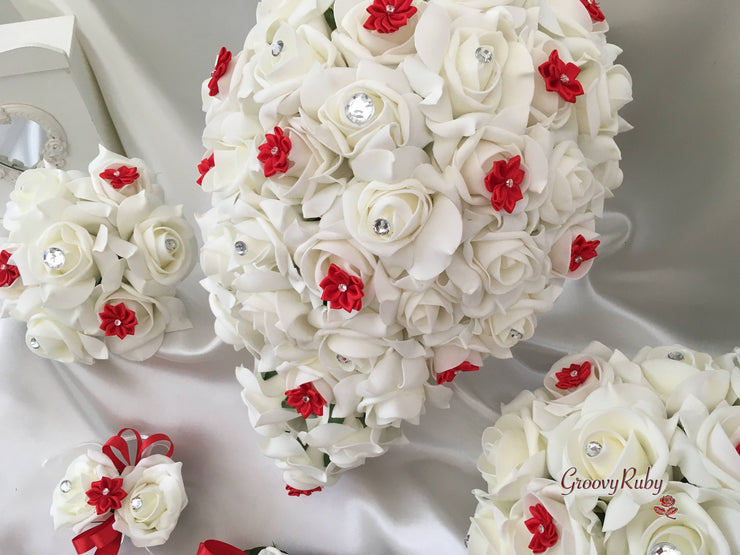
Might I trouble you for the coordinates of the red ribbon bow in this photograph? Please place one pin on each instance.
(119, 443)
(215, 547)
(103, 537)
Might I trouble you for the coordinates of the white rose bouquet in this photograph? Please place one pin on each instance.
(91, 264)
(121, 490)
(398, 188)
(616, 456)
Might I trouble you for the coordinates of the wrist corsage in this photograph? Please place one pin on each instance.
(91, 264)
(616, 456)
(121, 490)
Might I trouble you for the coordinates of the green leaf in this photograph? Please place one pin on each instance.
(327, 459)
(330, 21)
(285, 404)
(268, 375)
(333, 420)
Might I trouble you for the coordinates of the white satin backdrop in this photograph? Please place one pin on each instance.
(667, 272)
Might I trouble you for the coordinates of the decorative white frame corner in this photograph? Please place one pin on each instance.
(55, 149)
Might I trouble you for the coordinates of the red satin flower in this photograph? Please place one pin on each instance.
(298, 492)
(222, 65)
(582, 250)
(8, 272)
(106, 494)
(342, 290)
(737, 448)
(503, 182)
(593, 10)
(542, 528)
(204, 167)
(306, 400)
(573, 376)
(449, 375)
(388, 16)
(561, 77)
(117, 320)
(121, 176)
(274, 152)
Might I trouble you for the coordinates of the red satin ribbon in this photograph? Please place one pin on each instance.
(103, 537)
(121, 457)
(215, 547)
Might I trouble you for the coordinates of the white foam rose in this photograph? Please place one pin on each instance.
(472, 63)
(500, 528)
(705, 524)
(69, 506)
(51, 337)
(708, 454)
(676, 373)
(513, 450)
(357, 43)
(629, 424)
(157, 482)
(395, 120)
(165, 252)
(106, 160)
(154, 316)
(560, 253)
(35, 189)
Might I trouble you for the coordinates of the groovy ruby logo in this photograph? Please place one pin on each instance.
(629, 480)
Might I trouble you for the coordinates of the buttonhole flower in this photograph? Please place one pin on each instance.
(222, 65)
(8, 272)
(306, 400)
(542, 528)
(121, 176)
(204, 167)
(342, 290)
(449, 375)
(106, 494)
(388, 16)
(274, 152)
(117, 320)
(561, 77)
(293, 492)
(582, 250)
(503, 182)
(573, 376)
(593, 10)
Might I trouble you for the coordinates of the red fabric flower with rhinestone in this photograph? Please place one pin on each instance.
(8, 272)
(573, 376)
(121, 176)
(388, 16)
(582, 250)
(737, 448)
(561, 77)
(204, 167)
(106, 494)
(342, 290)
(117, 320)
(306, 400)
(449, 375)
(298, 492)
(274, 152)
(593, 10)
(503, 182)
(542, 528)
(222, 65)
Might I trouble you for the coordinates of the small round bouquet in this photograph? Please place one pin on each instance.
(91, 264)
(616, 456)
(398, 188)
(121, 489)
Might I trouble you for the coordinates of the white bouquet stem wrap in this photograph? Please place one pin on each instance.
(91, 264)
(398, 189)
(616, 456)
(121, 490)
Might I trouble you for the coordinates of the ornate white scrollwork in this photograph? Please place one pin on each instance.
(55, 149)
